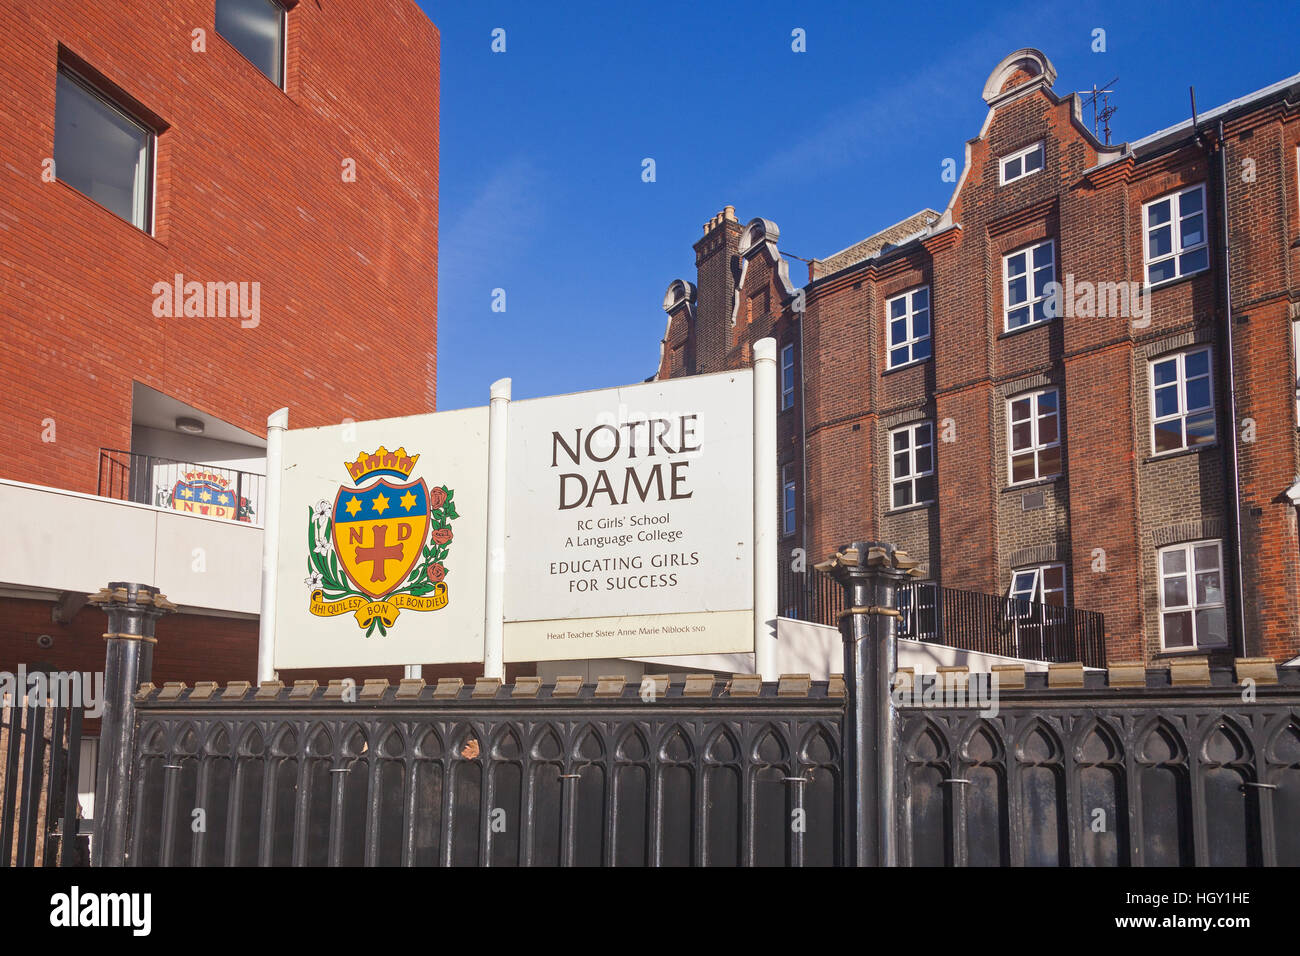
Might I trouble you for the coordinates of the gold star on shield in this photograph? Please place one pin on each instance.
(205, 496)
(187, 493)
(224, 499)
(380, 504)
(408, 501)
(353, 506)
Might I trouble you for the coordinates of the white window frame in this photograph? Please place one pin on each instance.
(1183, 413)
(1175, 225)
(908, 318)
(913, 476)
(1033, 622)
(1188, 574)
(1036, 446)
(1038, 590)
(1021, 154)
(1031, 300)
(789, 499)
(787, 377)
(929, 592)
(1295, 352)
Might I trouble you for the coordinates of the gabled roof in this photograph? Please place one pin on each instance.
(896, 235)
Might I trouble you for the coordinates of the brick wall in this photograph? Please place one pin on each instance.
(249, 187)
(1115, 502)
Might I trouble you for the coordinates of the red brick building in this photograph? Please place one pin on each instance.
(212, 209)
(1041, 390)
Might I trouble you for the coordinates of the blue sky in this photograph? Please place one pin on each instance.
(542, 145)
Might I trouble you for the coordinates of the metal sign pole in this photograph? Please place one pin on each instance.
(765, 509)
(495, 584)
(275, 428)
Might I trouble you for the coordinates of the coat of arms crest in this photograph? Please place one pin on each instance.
(381, 546)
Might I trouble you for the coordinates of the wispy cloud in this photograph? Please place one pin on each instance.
(910, 100)
(496, 220)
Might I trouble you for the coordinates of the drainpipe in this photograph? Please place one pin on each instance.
(803, 440)
(1235, 465)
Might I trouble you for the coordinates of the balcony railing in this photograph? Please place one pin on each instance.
(968, 620)
(184, 486)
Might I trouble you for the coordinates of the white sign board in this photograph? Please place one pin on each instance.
(620, 523)
(629, 521)
(382, 542)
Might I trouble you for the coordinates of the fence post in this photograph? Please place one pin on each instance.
(870, 573)
(133, 610)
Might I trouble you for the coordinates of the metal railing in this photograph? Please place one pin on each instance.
(968, 620)
(40, 759)
(185, 486)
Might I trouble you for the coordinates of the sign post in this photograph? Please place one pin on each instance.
(766, 503)
(276, 424)
(495, 585)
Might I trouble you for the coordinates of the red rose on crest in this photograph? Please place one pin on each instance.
(437, 497)
(436, 573)
(441, 535)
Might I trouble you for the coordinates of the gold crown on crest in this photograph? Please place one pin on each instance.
(382, 462)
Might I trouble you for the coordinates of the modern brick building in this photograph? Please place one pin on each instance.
(212, 209)
(1077, 384)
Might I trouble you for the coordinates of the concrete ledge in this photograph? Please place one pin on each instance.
(793, 685)
(567, 687)
(699, 685)
(1065, 675)
(1010, 676)
(410, 687)
(1124, 679)
(746, 685)
(526, 687)
(448, 688)
(1262, 670)
(1127, 674)
(1189, 671)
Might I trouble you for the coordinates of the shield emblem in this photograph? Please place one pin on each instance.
(202, 496)
(379, 532)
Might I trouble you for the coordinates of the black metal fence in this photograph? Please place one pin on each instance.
(40, 756)
(1180, 764)
(969, 620)
(809, 596)
(185, 486)
(1105, 776)
(503, 780)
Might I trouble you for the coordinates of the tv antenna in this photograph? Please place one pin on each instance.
(1102, 113)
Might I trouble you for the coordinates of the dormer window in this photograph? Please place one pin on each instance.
(1021, 164)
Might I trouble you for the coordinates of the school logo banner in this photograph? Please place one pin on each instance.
(382, 545)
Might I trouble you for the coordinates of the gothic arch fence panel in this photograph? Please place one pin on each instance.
(509, 782)
(1174, 779)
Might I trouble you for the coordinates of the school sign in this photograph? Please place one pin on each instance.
(612, 523)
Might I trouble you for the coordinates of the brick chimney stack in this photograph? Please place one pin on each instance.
(717, 263)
